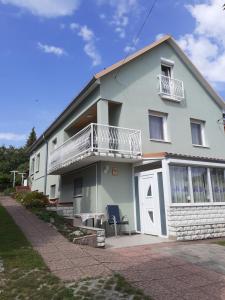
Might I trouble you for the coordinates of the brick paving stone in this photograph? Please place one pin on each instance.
(84, 261)
(162, 271)
(69, 274)
(95, 271)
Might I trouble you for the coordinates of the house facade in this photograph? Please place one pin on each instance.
(147, 134)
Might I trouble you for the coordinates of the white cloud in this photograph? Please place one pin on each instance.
(206, 44)
(86, 33)
(9, 136)
(51, 49)
(123, 11)
(88, 37)
(46, 8)
(91, 51)
(159, 36)
(129, 49)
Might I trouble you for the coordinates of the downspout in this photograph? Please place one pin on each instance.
(96, 188)
(46, 165)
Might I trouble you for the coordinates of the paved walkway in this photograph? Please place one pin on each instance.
(164, 271)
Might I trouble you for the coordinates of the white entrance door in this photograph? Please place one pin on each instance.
(149, 203)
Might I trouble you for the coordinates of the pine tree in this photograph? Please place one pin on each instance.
(32, 138)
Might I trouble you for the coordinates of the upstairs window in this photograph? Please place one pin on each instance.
(166, 70)
(197, 132)
(157, 126)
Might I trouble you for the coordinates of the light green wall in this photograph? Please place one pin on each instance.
(38, 179)
(117, 189)
(136, 87)
(88, 174)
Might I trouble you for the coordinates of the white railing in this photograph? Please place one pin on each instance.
(96, 138)
(170, 87)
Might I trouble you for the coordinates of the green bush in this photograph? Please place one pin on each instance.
(32, 199)
(9, 191)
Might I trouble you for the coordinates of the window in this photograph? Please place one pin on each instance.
(197, 132)
(179, 184)
(32, 165)
(54, 144)
(166, 70)
(200, 184)
(52, 191)
(157, 126)
(197, 184)
(38, 163)
(78, 187)
(149, 193)
(218, 184)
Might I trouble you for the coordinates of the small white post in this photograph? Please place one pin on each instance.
(14, 177)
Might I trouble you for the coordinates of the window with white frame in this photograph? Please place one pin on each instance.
(32, 165)
(200, 184)
(196, 184)
(218, 184)
(166, 70)
(158, 126)
(179, 181)
(38, 162)
(78, 187)
(197, 132)
(52, 191)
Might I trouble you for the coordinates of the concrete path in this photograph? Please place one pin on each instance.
(164, 271)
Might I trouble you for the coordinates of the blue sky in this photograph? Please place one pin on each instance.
(50, 49)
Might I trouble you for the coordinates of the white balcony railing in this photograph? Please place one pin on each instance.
(171, 88)
(96, 138)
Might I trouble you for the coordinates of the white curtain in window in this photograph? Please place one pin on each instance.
(200, 184)
(196, 134)
(156, 127)
(179, 184)
(218, 184)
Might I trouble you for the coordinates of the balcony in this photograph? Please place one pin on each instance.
(171, 88)
(93, 143)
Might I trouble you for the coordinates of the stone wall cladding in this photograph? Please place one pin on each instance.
(65, 211)
(196, 222)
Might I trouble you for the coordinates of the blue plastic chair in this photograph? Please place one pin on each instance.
(114, 217)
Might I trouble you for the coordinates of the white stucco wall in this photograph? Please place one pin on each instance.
(196, 222)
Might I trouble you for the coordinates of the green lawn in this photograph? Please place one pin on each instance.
(26, 276)
(221, 243)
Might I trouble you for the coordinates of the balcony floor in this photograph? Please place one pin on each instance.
(92, 157)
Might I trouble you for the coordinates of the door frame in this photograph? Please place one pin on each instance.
(154, 174)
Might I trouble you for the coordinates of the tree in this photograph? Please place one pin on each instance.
(31, 138)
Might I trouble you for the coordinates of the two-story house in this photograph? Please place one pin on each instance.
(147, 134)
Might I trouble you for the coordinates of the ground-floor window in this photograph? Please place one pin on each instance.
(197, 184)
(200, 184)
(179, 184)
(218, 184)
(52, 191)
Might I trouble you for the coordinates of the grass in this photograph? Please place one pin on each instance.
(221, 243)
(59, 222)
(26, 276)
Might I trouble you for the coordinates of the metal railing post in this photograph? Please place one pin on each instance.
(92, 137)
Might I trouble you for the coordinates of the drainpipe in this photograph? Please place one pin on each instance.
(46, 165)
